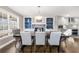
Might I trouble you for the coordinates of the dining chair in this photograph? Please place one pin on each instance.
(26, 40)
(18, 42)
(40, 41)
(54, 40)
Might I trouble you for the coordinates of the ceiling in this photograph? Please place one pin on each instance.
(47, 10)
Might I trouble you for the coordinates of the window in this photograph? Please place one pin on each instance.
(8, 22)
(49, 22)
(5, 24)
(27, 23)
(1, 22)
(5, 21)
(12, 22)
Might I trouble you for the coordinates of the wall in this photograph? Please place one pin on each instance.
(21, 23)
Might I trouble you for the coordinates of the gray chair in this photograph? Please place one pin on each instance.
(16, 32)
(40, 42)
(54, 39)
(18, 43)
(40, 38)
(26, 40)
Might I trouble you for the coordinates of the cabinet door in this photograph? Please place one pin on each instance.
(49, 22)
(27, 23)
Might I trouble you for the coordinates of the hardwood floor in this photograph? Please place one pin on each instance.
(9, 48)
(67, 47)
(39, 49)
(70, 47)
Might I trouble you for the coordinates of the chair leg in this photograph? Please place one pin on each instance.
(31, 48)
(34, 48)
(58, 49)
(39, 47)
(49, 46)
(22, 49)
(45, 48)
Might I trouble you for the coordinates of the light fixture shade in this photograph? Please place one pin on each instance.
(38, 17)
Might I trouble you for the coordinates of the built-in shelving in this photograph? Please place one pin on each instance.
(49, 23)
(28, 23)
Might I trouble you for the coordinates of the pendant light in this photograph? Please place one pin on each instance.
(39, 17)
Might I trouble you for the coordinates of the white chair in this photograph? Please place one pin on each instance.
(26, 38)
(26, 41)
(39, 42)
(54, 39)
(40, 38)
(68, 32)
(16, 35)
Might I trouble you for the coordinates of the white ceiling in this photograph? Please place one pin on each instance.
(47, 10)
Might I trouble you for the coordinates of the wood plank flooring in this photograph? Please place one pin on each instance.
(66, 47)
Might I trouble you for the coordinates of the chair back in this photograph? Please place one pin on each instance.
(16, 32)
(40, 38)
(54, 38)
(26, 38)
